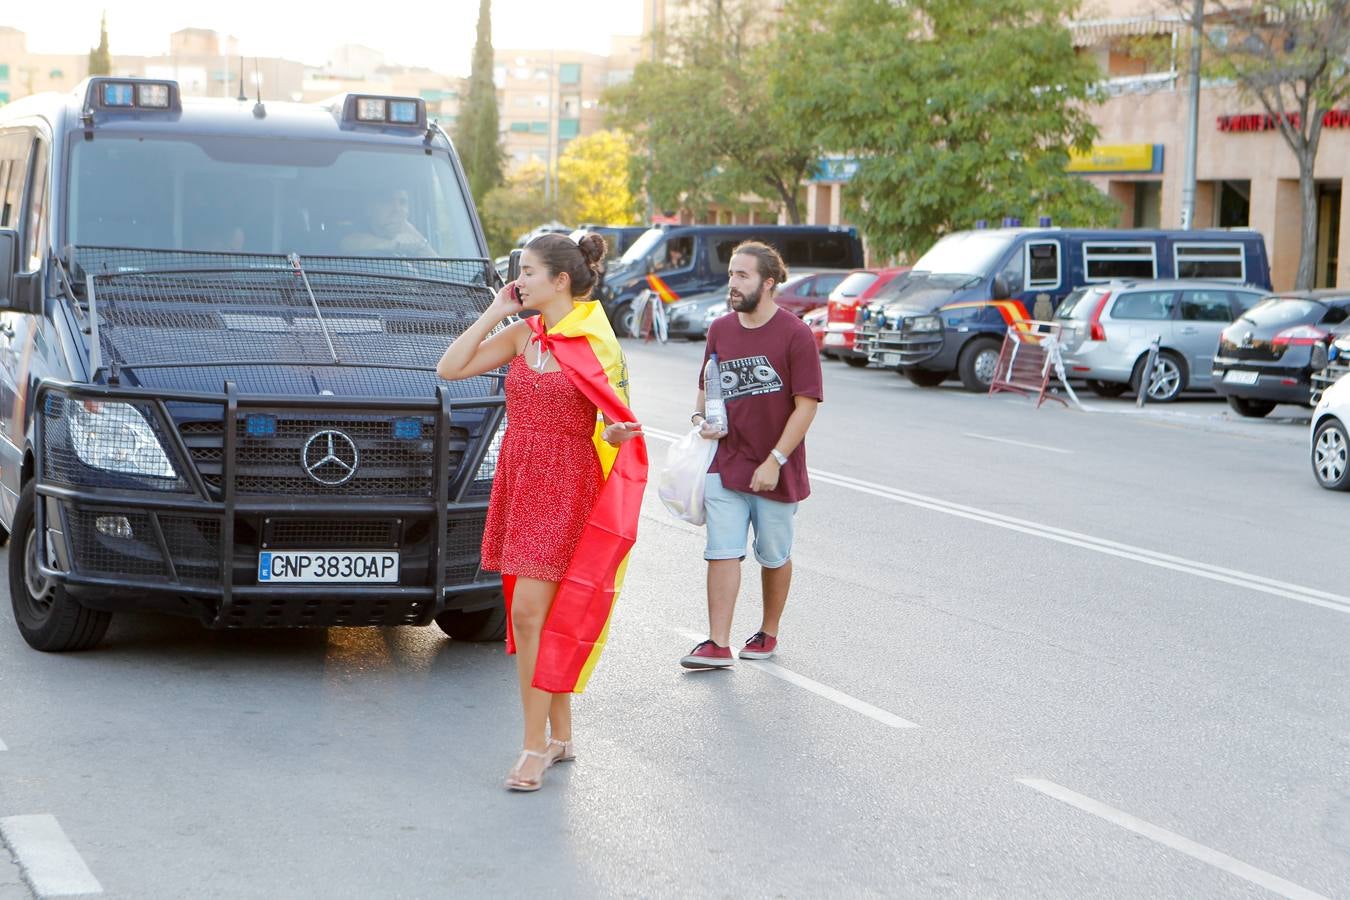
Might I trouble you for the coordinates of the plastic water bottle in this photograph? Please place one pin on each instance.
(714, 407)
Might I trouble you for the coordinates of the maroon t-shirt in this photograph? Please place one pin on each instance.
(763, 369)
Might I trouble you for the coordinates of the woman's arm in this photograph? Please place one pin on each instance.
(474, 353)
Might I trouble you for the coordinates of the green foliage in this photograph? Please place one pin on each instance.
(593, 180)
(100, 58)
(515, 207)
(476, 136)
(957, 110)
(710, 126)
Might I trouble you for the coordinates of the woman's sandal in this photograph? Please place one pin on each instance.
(515, 782)
(566, 754)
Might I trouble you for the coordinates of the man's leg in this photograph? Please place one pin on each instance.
(728, 527)
(775, 583)
(773, 523)
(724, 583)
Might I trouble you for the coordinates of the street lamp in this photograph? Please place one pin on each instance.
(1192, 118)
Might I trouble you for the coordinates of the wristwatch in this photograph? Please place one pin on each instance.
(782, 460)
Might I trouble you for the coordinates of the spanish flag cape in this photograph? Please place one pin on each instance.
(574, 633)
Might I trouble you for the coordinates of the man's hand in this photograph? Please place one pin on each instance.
(711, 432)
(766, 476)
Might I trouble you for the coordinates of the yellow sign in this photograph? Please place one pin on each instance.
(1117, 158)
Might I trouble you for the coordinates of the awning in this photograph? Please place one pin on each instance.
(1089, 33)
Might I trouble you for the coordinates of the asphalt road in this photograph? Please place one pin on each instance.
(1028, 653)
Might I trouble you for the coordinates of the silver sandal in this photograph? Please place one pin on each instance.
(514, 782)
(569, 751)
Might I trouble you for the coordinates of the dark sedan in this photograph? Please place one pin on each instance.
(1268, 356)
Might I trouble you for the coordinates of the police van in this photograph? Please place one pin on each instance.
(217, 347)
(949, 316)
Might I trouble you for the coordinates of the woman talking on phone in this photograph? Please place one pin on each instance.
(565, 499)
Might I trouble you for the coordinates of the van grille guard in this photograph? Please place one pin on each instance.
(187, 526)
(180, 308)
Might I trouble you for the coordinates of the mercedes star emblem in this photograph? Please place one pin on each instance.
(330, 458)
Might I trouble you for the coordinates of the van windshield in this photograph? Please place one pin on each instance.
(965, 253)
(643, 245)
(251, 195)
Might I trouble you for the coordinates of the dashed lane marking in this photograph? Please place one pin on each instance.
(48, 860)
(820, 690)
(1223, 861)
(1260, 583)
(1003, 440)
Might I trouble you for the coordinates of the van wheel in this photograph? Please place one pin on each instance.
(1167, 380)
(1251, 409)
(857, 362)
(1331, 456)
(1107, 388)
(480, 625)
(978, 363)
(924, 377)
(48, 618)
(623, 323)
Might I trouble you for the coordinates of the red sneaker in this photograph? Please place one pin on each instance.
(708, 655)
(760, 646)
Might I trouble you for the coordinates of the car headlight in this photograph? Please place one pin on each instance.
(116, 437)
(488, 467)
(923, 323)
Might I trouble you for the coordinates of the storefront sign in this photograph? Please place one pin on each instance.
(1332, 118)
(1111, 159)
(834, 168)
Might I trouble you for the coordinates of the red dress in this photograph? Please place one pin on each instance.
(547, 477)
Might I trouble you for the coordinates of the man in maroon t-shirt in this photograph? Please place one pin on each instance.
(771, 382)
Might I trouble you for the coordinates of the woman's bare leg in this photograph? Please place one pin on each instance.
(529, 608)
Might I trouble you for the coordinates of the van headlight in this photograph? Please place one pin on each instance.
(488, 467)
(116, 437)
(923, 323)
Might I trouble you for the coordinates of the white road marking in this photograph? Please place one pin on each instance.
(820, 690)
(1171, 839)
(2, 746)
(50, 863)
(1003, 440)
(1260, 583)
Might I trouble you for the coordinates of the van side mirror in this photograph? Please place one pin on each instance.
(651, 265)
(9, 265)
(513, 266)
(999, 289)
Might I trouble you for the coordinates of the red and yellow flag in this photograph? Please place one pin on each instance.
(584, 345)
(661, 289)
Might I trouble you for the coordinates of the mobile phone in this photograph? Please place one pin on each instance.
(515, 292)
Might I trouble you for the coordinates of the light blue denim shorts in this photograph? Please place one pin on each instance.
(730, 515)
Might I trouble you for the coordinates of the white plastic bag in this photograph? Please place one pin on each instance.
(681, 484)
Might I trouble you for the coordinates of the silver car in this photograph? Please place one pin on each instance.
(1108, 328)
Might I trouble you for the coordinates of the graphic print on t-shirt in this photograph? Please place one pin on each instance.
(748, 376)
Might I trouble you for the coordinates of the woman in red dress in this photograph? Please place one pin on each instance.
(548, 474)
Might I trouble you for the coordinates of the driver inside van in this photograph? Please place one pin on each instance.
(387, 229)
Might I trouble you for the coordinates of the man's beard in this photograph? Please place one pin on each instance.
(747, 303)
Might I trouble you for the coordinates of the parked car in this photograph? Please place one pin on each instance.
(806, 290)
(1269, 354)
(816, 320)
(1108, 329)
(618, 238)
(1329, 437)
(845, 301)
(546, 228)
(1338, 362)
(692, 259)
(688, 318)
(949, 317)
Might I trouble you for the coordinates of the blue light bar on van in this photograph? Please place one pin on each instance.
(132, 93)
(375, 110)
(119, 94)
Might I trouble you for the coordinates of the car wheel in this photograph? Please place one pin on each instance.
(623, 323)
(924, 377)
(1167, 381)
(1107, 388)
(857, 362)
(480, 625)
(978, 363)
(1330, 462)
(1251, 409)
(48, 618)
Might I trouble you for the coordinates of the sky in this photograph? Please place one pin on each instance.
(438, 35)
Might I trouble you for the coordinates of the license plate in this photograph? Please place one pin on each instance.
(834, 340)
(1238, 376)
(328, 567)
(890, 359)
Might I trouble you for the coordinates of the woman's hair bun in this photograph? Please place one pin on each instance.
(593, 248)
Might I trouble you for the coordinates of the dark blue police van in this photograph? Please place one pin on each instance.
(692, 259)
(949, 315)
(217, 347)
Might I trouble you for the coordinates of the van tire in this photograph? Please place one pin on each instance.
(978, 363)
(924, 377)
(478, 626)
(857, 362)
(49, 618)
(622, 320)
(1251, 409)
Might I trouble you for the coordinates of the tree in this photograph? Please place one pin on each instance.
(513, 208)
(476, 134)
(706, 117)
(100, 58)
(955, 110)
(593, 181)
(1291, 57)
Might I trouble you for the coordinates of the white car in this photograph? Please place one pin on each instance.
(1331, 437)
